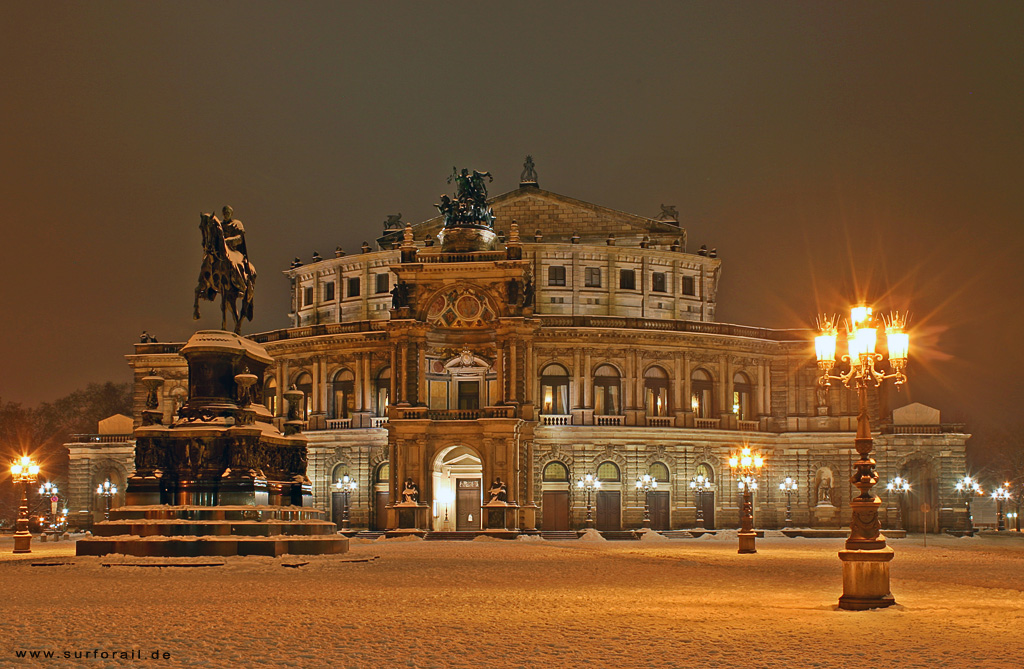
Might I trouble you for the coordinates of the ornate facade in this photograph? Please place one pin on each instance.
(581, 340)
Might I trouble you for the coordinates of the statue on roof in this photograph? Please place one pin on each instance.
(469, 208)
(393, 222)
(529, 175)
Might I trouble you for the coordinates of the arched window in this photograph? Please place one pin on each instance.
(607, 388)
(383, 474)
(742, 391)
(701, 394)
(304, 382)
(340, 470)
(383, 394)
(656, 391)
(659, 472)
(342, 397)
(704, 469)
(554, 390)
(270, 395)
(608, 471)
(556, 471)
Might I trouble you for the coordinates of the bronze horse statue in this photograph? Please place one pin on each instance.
(226, 270)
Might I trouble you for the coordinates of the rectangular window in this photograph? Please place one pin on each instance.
(307, 296)
(329, 291)
(353, 287)
(627, 279)
(469, 394)
(658, 282)
(688, 286)
(556, 275)
(593, 277)
(383, 283)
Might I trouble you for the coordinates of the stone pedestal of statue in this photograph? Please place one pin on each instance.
(408, 518)
(826, 515)
(500, 516)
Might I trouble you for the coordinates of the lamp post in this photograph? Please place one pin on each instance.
(1000, 495)
(589, 484)
(23, 471)
(106, 490)
(700, 484)
(646, 483)
(746, 465)
(900, 487)
(447, 497)
(968, 487)
(49, 489)
(788, 487)
(1014, 519)
(346, 485)
(866, 557)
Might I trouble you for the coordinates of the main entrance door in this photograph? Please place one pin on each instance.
(659, 510)
(467, 505)
(609, 510)
(381, 497)
(555, 511)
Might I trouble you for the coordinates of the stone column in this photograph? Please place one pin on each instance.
(499, 373)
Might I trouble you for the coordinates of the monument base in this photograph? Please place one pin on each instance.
(866, 579)
(747, 540)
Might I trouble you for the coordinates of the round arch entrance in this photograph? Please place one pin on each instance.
(457, 478)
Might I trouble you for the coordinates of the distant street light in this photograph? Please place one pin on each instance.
(788, 487)
(106, 490)
(900, 487)
(589, 484)
(866, 557)
(49, 489)
(1000, 495)
(647, 483)
(700, 484)
(346, 484)
(23, 471)
(969, 487)
(746, 465)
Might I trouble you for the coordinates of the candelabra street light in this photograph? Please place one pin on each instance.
(23, 471)
(49, 489)
(106, 490)
(866, 557)
(788, 488)
(345, 485)
(746, 465)
(588, 483)
(1000, 495)
(646, 483)
(899, 486)
(969, 487)
(700, 484)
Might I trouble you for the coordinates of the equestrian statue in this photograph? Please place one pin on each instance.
(226, 268)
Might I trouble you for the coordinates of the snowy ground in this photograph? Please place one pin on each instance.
(674, 603)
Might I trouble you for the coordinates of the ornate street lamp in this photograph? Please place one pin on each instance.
(788, 487)
(866, 557)
(346, 485)
(589, 484)
(49, 489)
(746, 465)
(1014, 519)
(647, 483)
(1000, 495)
(969, 487)
(23, 471)
(700, 484)
(899, 486)
(106, 490)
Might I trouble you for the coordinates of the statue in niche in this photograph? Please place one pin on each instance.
(400, 295)
(528, 291)
(824, 494)
(512, 290)
(498, 491)
(822, 395)
(410, 492)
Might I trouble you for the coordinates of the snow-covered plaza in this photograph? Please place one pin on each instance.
(493, 603)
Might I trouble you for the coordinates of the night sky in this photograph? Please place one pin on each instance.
(828, 151)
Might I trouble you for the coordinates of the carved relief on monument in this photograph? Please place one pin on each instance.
(460, 307)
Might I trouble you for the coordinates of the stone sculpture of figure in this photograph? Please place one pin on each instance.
(529, 175)
(669, 212)
(498, 491)
(469, 208)
(825, 489)
(512, 290)
(144, 337)
(393, 222)
(822, 395)
(400, 295)
(528, 292)
(410, 492)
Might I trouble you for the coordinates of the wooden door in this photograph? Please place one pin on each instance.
(609, 510)
(659, 510)
(467, 505)
(707, 501)
(380, 515)
(555, 511)
(337, 507)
